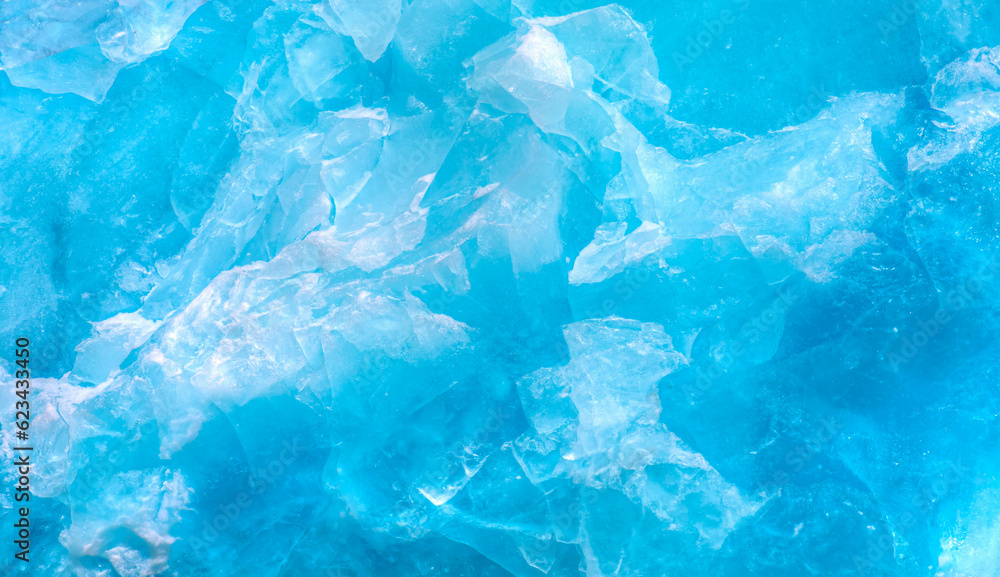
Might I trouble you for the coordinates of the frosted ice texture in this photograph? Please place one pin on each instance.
(491, 287)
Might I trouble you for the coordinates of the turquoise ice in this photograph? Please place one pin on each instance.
(493, 288)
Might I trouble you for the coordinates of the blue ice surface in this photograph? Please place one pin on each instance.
(388, 288)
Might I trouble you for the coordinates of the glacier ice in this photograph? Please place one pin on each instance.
(79, 47)
(501, 288)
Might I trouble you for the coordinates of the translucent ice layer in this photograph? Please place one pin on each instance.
(372, 288)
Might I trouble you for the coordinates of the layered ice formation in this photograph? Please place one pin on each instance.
(494, 288)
